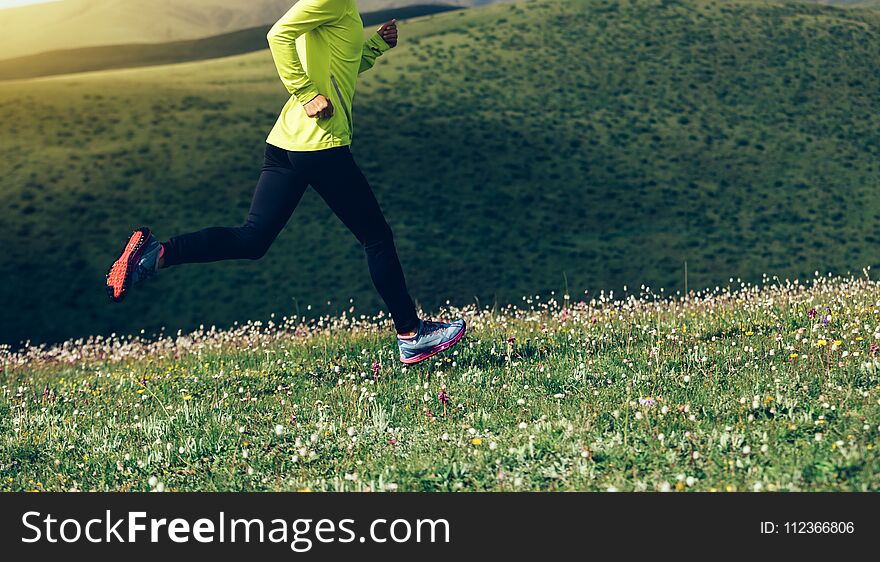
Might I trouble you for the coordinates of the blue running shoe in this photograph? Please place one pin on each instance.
(139, 261)
(431, 338)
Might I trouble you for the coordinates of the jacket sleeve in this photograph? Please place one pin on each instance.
(304, 16)
(373, 49)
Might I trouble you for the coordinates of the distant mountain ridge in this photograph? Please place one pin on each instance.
(71, 24)
(847, 2)
(88, 59)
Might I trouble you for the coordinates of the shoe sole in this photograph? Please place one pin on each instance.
(119, 275)
(442, 347)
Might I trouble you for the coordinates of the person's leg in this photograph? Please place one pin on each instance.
(278, 191)
(336, 177)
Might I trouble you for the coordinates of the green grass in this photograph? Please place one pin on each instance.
(592, 142)
(772, 388)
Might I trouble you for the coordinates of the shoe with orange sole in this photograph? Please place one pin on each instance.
(138, 261)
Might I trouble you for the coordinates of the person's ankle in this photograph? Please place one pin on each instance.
(409, 335)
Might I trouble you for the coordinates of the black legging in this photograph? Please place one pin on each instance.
(336, 177)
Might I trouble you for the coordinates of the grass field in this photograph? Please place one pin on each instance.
(758, 388)
(590, 144)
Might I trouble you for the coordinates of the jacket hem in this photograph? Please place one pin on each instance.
(280, 143)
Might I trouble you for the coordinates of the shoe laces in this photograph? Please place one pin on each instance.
(430, 328)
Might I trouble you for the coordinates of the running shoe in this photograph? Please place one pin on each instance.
(139, 261)
(431, 338)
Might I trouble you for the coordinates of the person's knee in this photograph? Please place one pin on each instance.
(380, 238)
(257, 250)
(254, 242)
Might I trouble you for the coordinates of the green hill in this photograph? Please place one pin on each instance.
(515, 149)
(85, 59)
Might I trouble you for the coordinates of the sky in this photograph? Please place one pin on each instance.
(13, 3)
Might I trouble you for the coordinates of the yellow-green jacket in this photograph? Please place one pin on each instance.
(318, 47)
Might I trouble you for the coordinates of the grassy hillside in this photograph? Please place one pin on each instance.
(69, 61)
(595, 143)
(38, 28)
(773, 388)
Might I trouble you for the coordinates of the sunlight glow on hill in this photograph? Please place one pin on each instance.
(16, 3)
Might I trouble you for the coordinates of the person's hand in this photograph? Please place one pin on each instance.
(388, 32)
(318, 107)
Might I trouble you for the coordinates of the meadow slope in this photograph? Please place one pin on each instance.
(515, 148)
(770, 388)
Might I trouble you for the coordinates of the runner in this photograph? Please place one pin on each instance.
(319, 51)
